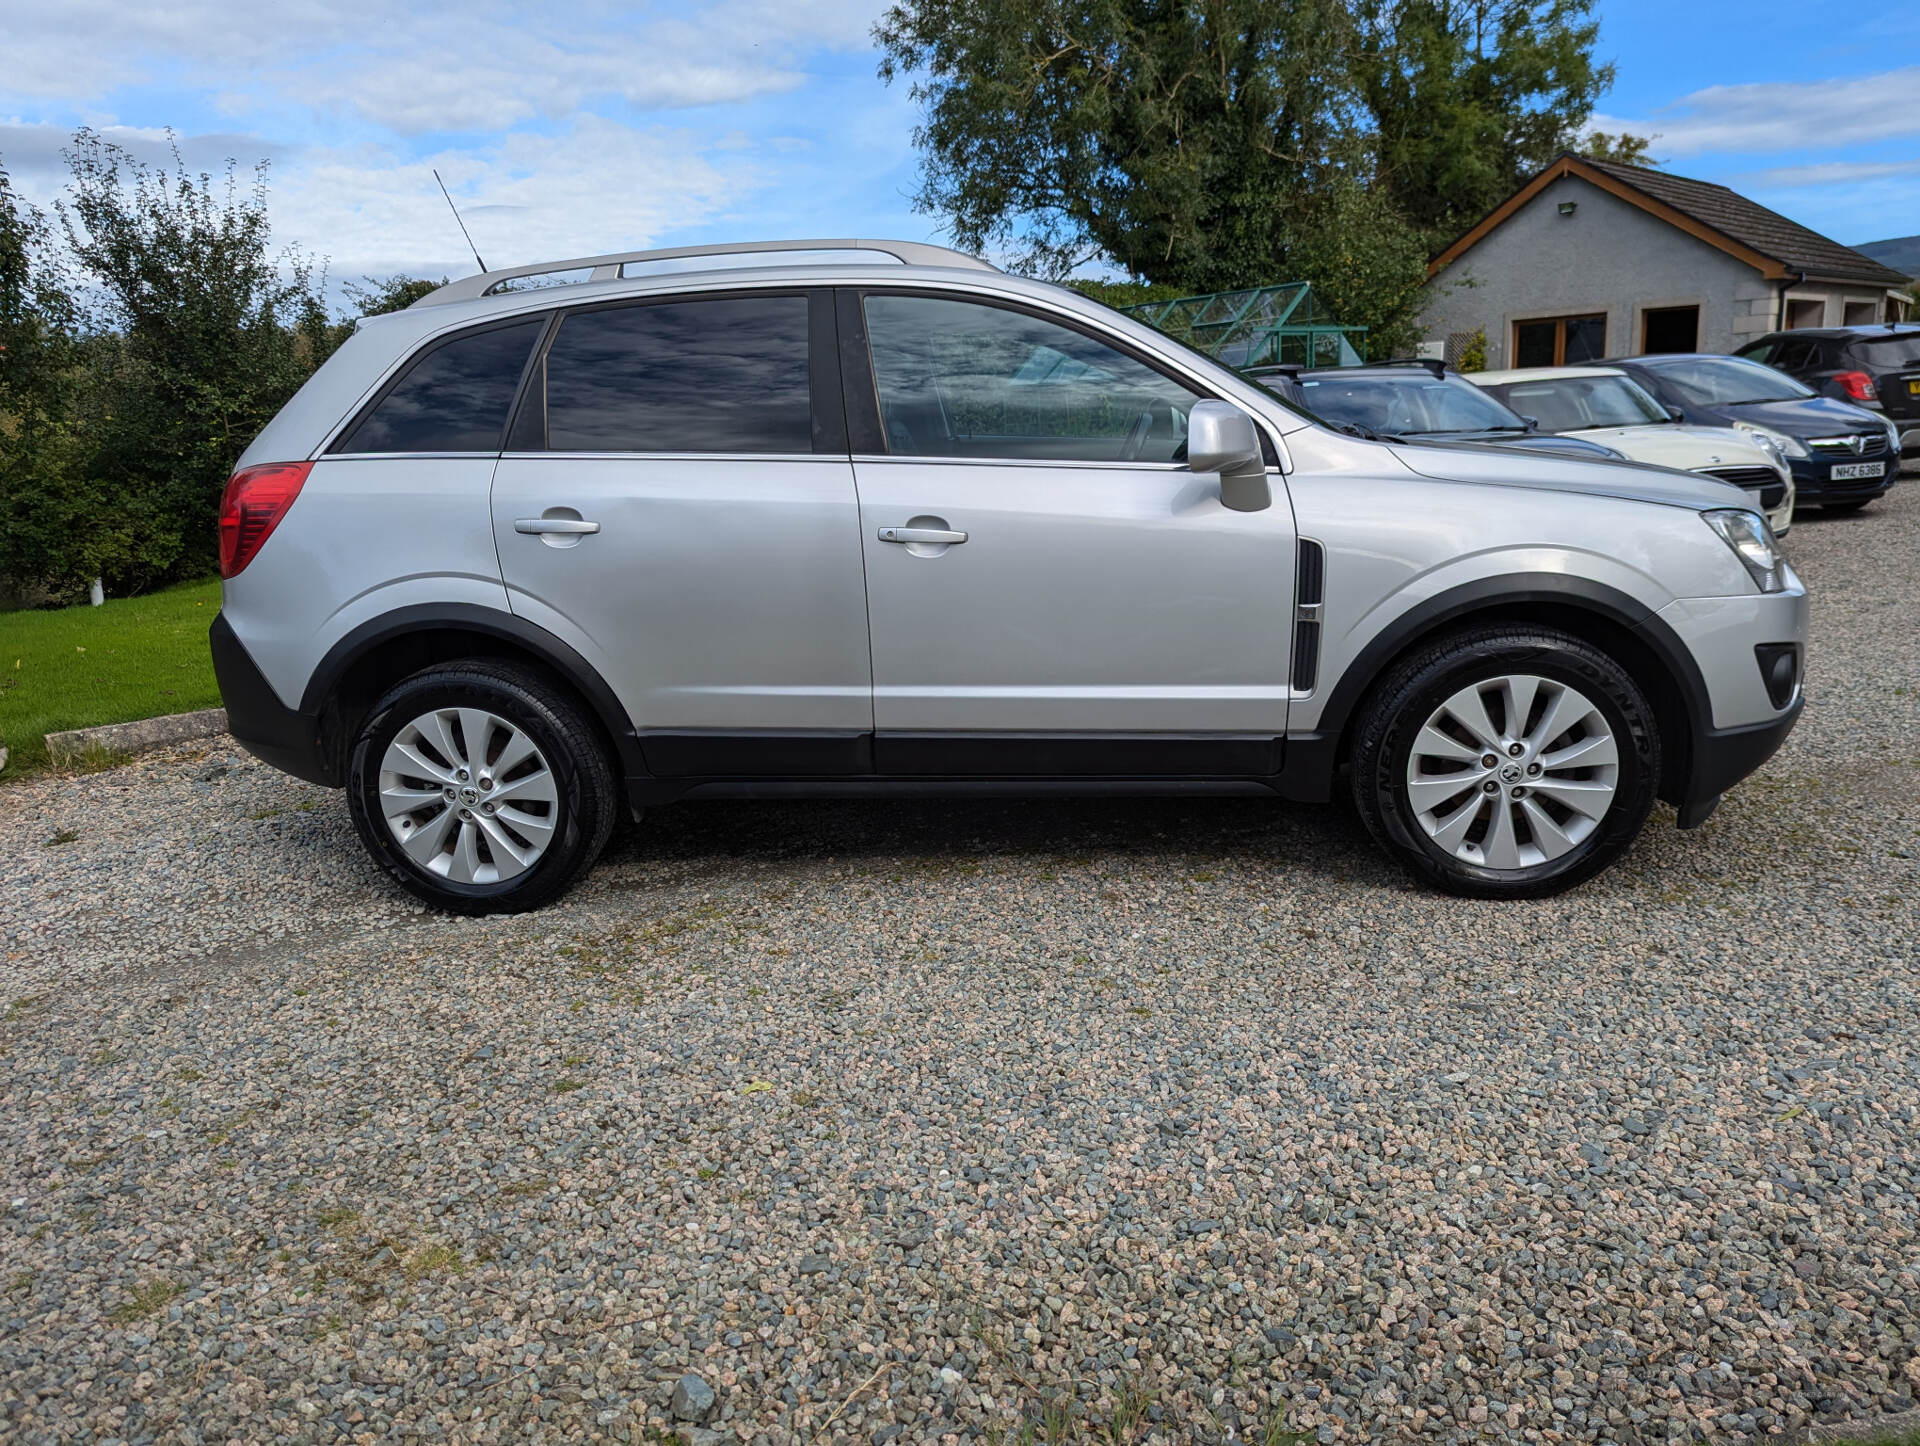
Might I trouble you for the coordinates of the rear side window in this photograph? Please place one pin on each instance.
(453, 398)
(1900, 349)
(726, 374)
(1797, 354)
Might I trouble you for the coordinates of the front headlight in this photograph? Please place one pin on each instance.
(1893, 444)
(1752, 542)
(1776, 441)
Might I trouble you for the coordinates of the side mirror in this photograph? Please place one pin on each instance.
(1221, 438)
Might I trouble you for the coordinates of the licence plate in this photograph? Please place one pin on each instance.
(1857, 471)
(1913, 387)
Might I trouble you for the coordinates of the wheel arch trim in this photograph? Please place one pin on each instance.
(573, 669)
(1314, 757)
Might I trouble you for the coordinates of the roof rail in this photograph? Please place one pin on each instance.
(1432, 363)
(608, 267)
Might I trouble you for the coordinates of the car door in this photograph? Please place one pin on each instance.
(1049, 589)
(677, 503)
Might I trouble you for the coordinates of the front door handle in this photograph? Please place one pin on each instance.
(569, 526)
(920, 534)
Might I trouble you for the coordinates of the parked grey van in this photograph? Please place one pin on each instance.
(866, 517)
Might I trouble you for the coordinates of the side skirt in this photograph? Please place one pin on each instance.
(862, 765)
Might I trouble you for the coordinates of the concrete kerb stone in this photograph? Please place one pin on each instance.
(73, 745)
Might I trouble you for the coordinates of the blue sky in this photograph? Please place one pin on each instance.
(600, 126)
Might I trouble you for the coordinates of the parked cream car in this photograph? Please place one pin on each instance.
(1605, 405)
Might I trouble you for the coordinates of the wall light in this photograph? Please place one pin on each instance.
(1567, 208)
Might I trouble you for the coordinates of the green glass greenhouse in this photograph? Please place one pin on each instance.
(1256, 327)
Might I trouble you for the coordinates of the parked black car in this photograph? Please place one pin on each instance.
(1842, 455)
(1414, 401)
(1874, 366)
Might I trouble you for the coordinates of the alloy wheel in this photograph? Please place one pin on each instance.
(468, 795)
(1512, 772)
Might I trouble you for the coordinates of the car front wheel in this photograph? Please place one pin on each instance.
(480, 787)
(1506, 762)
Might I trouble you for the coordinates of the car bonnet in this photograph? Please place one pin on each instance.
(1548, 472)
(1804, 416)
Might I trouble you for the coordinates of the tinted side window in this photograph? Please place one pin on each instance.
(1797, 356)
(722, 375)
(957, 379)
(453, 398)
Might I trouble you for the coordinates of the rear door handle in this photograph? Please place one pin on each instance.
(571, 526)
(920, 534)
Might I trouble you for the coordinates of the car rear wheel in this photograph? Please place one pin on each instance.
(1506, 762)
(481, 788)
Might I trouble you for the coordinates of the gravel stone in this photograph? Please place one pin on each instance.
(1187, 1118)
(693, 1399)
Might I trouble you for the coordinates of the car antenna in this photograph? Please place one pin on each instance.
(457, 221)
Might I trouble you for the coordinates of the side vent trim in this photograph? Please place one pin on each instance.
(1310, 581)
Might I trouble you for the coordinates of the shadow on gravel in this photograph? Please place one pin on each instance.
(1819, 518)
(1326, 839)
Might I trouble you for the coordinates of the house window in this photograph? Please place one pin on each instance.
(1810, 311)
(1669, 329)
(1559, 341)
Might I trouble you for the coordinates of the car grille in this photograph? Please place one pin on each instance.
(1873, 444)
(1767, 481)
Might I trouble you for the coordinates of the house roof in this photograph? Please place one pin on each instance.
(1767, 241)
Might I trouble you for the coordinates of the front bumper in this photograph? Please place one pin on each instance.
(1722, 757)
(1736, 722)
(272, 732)
(1814, 482)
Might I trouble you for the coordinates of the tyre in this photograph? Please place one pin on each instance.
(1845, 507)
(1506, 762)
(481, 787)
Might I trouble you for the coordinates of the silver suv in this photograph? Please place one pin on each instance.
(833, 517)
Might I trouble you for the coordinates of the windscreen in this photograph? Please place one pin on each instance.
(1403, 403)
(1574, 403)
(1728, 381)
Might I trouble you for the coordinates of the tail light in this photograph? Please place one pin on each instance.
(1857, 385)
(252, 506)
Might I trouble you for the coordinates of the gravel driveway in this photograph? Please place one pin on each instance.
(1101, 1121)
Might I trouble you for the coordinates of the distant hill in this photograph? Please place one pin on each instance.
(1902, 253)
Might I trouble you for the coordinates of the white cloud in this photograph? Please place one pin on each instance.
(599, 186)
(32, 150)
(1781, 116)
(439, 65)
(603, 126)
(1831, 173)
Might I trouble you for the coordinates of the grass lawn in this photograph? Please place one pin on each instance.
(75, 667)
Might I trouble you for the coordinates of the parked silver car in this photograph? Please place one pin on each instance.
(857, 517)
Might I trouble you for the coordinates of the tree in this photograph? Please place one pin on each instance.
(201, 334)
(371, 296)
(1230, 143)
(1174, 141)
(43, 528)
(1467, 98)
(1622, 149)
(396, 293)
